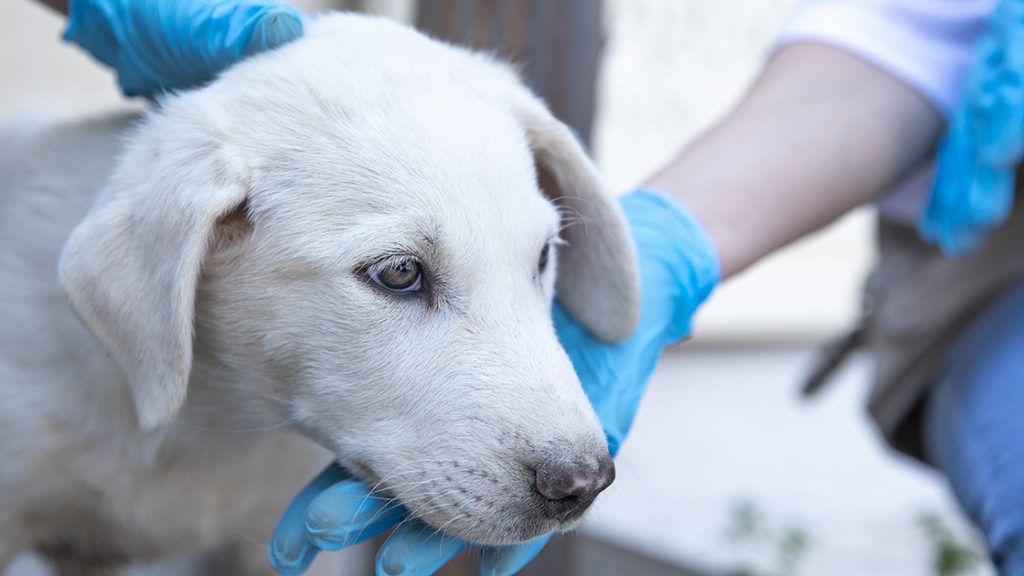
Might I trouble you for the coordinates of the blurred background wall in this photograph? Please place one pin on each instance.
(726, 466)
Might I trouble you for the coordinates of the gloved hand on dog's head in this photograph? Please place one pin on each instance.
(161, 45)
(679, 267)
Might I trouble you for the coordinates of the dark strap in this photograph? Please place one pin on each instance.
(831, 357)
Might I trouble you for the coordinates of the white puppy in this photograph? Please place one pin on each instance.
(344, 237)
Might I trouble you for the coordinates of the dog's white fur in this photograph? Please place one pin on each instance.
(221, 244)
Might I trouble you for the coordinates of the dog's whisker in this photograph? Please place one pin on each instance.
(391, 505)
(567, 197)
(570, 217)
(414, 483)
(250, 540)
(396, 471)
(442, 529)
(384, 510)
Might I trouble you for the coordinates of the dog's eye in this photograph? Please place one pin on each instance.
(401, 275)
(543, 264)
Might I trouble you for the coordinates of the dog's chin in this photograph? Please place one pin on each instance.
(505, 521)
(503, 531)
(490, 522)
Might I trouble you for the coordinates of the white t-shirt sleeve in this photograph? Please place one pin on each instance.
(925, 43)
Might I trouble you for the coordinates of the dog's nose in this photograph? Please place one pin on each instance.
(569, 489)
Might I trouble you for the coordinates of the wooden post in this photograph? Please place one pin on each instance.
(556, 44)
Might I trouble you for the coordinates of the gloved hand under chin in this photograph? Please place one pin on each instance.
(336, 511)
(160, 45)
(679, 267)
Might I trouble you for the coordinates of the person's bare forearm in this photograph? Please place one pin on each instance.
(58, 5)
(819, 133)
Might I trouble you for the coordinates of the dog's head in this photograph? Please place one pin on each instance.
(359, 235)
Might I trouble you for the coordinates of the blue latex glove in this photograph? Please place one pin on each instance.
(679, 267)
(978, 159)
(160, 45)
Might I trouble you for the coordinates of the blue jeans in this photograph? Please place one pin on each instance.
(974, 426)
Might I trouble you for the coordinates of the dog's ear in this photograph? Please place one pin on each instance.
(597, 273)
(130, 268)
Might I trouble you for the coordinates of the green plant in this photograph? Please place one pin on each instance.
(792, 545)
(950, 555)
(751, 535)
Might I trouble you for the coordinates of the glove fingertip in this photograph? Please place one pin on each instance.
(348, 513)
(290, 558)
(277, 26)
(416, 549)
